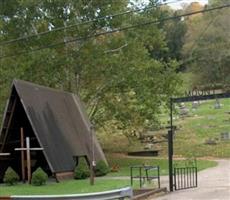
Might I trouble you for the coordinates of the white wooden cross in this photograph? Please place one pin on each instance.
(28, 159)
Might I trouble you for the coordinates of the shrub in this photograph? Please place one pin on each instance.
(101, 168)
(39, 177)
(10, 177)
(82, 170)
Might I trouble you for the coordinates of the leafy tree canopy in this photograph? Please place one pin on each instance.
(207, 47)
(116, 75)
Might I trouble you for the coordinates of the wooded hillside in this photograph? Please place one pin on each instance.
(124, 70)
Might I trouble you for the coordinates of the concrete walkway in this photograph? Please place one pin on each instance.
(213, 184)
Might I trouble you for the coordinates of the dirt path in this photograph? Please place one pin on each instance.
(213, 184)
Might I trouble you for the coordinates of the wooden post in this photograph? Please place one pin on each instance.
(22, 155)
(91, 174)
(92, 162)
(28, 159)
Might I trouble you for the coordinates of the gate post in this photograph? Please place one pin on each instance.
(170, 159)
(170, 148)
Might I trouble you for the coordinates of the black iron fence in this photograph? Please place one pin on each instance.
(145, 173)
(185, 177)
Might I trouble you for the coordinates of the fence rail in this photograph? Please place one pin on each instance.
(107, 195)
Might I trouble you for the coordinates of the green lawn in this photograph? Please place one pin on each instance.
(124, 163)
(65, 187)
(83, 186)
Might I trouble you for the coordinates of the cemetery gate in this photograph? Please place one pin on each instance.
(186, 177)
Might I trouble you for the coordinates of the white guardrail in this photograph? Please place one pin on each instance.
(112, 194)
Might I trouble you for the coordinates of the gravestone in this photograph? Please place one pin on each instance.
(211, 117)
(210, 141)
(148, 146)
(225, 136)
(183, 110)
(217, 104)
(195, 104)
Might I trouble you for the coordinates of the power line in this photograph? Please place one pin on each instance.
(108, 17)
(203, 32)
(183, 62)
(120, 29)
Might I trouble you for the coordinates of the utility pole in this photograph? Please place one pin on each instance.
(92, 159)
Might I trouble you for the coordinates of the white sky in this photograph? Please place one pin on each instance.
(178, 4)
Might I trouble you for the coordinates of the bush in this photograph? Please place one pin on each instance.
(10, 177)
(39, 177)
(82, 170)
(101, 168)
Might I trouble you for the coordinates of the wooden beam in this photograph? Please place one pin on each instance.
(28, 159)
(25, 149)
(8, 125)
(92, 162)
(22, 155)
(4, 154)
(18, 141)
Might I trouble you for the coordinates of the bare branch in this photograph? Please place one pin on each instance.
(117, 49)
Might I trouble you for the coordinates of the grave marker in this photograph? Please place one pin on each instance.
(225, 136)
(217, 104)
(195, 104)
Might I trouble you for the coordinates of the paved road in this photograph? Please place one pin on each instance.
(213, 184)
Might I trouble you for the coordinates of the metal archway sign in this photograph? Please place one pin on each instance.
(195, 95)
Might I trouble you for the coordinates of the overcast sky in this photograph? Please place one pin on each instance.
(178, 4)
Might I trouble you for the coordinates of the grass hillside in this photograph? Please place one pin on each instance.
(195, 130)
(199, 133)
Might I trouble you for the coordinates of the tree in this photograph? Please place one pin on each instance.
(113, 74)
(209, 52)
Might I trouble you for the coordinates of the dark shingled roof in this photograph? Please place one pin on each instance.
(60, 124)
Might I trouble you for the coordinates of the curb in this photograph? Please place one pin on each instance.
(4, 198)
(144, 193)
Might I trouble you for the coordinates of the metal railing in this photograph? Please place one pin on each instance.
(112, 194)
(185, 178)
(144, 173)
